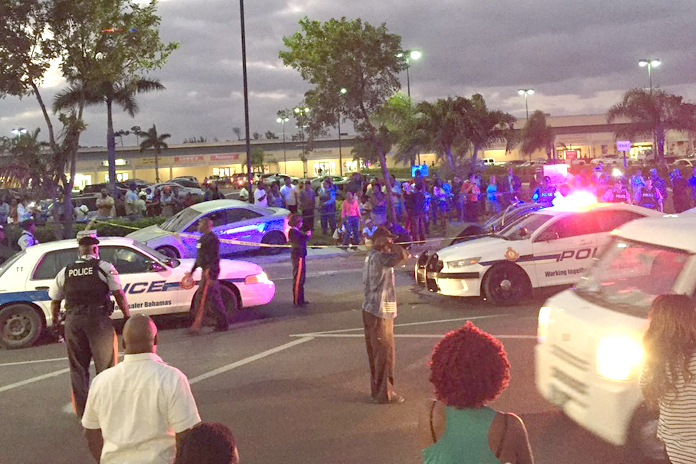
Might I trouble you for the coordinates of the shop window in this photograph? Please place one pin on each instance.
(222, 172)
(325, 169)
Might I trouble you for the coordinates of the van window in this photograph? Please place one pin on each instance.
(629, 276)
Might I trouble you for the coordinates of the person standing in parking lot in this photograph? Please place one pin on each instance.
(308, 201)
(298, 239)
(327, 203)
(89, 333)
(167, 201)
(668, 377)
(289, 193)
(208, 295)
(27, 239)
(131, 198)
(680, 195)
(261, 195)
(379, 312)
(648, 196)
(105, 205)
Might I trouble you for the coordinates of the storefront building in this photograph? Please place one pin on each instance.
(588, 136)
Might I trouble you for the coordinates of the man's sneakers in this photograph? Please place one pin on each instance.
(394, 399)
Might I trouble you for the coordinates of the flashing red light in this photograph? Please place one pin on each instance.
(575, 200)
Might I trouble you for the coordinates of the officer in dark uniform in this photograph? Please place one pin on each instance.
(545, 193)
(298, 255)
(617, 194)
(208, 294)
(648, 196)
(89, 333)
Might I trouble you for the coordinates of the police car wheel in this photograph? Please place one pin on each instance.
(20, 326)
(506, 284)
(169, 252)
(273, 238)
(643, 446)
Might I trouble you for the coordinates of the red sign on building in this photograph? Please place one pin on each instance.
(225, 157)
(571, 154)
(189, 159)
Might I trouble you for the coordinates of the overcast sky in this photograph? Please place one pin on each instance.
(579, 57)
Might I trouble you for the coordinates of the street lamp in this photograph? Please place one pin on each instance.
(301, 116)
(526, 92)
(650, 63)
(19, 132)
(283, 119)
(409, 55)
(343, 91)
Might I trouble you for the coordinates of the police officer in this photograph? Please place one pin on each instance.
(298, 239)
(650, 197)
(618, 194)
(27, 239)
(208, 295)
(89, 334)
(545, 193)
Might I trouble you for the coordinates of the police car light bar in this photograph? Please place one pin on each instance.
(575, 200)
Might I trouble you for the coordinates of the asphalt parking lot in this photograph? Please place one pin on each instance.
(294, 384)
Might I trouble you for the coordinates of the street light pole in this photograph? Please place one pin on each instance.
(340, 154)
(301, 115)
(650, 63)
(409, 55)
(526, 92)
(283, 120)
(250, 175)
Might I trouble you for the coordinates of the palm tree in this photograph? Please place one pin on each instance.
(29, 166)
(442, 128)
(651, 115)
(537, 135)
(151, 139)
(122, 93)
(487, 127)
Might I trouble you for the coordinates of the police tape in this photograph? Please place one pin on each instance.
(180, 235)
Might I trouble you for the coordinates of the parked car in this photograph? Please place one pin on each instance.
(684, 163)
(150, 281)
(232, 220)
(187, 178)
(179, 190)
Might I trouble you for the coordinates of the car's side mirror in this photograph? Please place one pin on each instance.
(154, 266)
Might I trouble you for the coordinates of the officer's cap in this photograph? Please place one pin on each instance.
(88, 241)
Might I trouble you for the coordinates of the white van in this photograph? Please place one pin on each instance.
(488, 161)
(590, 352)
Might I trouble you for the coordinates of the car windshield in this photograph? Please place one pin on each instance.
(181, 219)
(629, 276)
(160, 257)
(524, 228)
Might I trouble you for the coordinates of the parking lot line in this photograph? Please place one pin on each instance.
(250, 359)
(33, 379)
(406, 324)
(35, 361)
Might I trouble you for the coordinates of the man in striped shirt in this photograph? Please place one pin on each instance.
(379, 312)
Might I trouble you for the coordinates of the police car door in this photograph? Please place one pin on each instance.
(241, 224)
(563, 250)
(45, 271)
(150, 286)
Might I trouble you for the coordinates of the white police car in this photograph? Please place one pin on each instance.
(553, 246)
(149, 279)
(232, 220)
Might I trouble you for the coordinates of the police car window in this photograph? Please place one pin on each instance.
(572, 226)
(241, 214)
(125, 260)
(610, 220)
(524, 228)
(52, 262)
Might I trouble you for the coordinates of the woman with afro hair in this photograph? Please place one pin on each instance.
(469, 369)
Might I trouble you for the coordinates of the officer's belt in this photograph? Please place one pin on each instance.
(89, 310)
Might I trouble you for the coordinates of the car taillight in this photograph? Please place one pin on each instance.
(256, 279)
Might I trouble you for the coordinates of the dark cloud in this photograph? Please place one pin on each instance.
(579, 57)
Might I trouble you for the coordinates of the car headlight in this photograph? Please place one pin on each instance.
(256, 279)
(618, 356)
(543, 328)
(462, 263)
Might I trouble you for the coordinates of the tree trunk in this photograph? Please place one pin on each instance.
(157, 177)
(110, 148)
(49, 125)
(450, 159)
(474, 156)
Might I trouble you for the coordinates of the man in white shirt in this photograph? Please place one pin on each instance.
(27, 238)
(140, 409)
(261, 195)
(289, 194)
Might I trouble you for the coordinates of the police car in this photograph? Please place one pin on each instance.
(553, 246)
(149, 279)
(232, 220)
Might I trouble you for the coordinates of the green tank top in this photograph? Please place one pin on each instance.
(465, 440)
